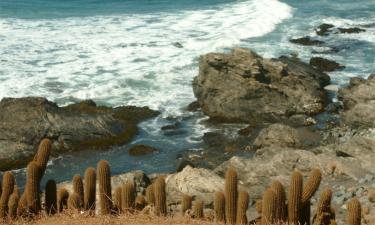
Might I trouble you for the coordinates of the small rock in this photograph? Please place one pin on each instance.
(351, 30)
(170, 127)
(310, 121)
(177, 45)
(138, 150)
(332, 87)
(194, 106)
(325, 65)
(324, 29)
(306, 41)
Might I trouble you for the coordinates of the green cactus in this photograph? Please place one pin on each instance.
(323, 210)
(140, 202)
(51, 197)
(354, 212)
(219, 207)
(128, 196)
(311, 186)
(13, 205)
(105, 190)
(198, 209)
(295, 198)
(62, 199)
(7, 190)
(90, 189)
(269, 207)
(186, 203)
(243, 203)
(150, 195)
(280, 201)
(74, 202)
(42, 155)
(231, 196)
(117, 199)
(78, 187)
(32, 188)
(160, 197)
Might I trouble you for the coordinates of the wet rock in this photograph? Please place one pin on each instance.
(325, 64)
(25, 121)
(194, 106)
(359, 102)
(351, 30)
(324, 29)
(171, 126)
(182, 163)
(139, 150)
(244, 87)
(307, 41)
(177, 45)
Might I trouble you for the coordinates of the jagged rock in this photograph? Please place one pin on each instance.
(306, 41)
(359, 102)
(25, 121)
(325, 64)
(244, 87)
(324, 29)
(138, 150)
(351, 30)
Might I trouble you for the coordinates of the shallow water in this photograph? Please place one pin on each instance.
(123, 52)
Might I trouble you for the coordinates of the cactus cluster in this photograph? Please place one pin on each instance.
(186, 203)
(160, 197)
(105, 189)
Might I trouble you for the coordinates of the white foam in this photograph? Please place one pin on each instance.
(124, 59)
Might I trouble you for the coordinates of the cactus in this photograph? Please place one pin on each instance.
(7, 189)
(295, 198)
(231, 195)
(90, 189)
(42, 156)
(140, 202)
(105, 192)
(22, 206)
(150, 195)
(306, 213)
(186, 203)
(13, 205)
(51, 197)
(323, 210)
(117, 199)
(243, 203)
(32, 188)
(311, 186)
(354, 212)
(198, 209)
(128, 196)
(259, 206)
(62, 199)
(219, 207)
(160, 197)
(78, 187)
(74, 201)
(280, 201)
(269, 206)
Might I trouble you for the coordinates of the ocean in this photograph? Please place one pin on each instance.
(145, 53)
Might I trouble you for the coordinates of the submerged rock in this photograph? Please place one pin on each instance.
(25, 121)
(306, 41)
(325, 64)
(324, 29)
(351, 30)
(244, 87)
(139, 150)
(359, 102)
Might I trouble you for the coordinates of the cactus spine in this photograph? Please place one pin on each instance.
(140, 202)
(150, 195)
(105, 192)
(78, 187)
(311, 186)
(280, 201)
(90, 189)
(117, 199)
(243, 203)
(32, 188)
(51, 197)
(42, 155)
(186, 203)
(128, 197)
(323, 210)
(160, 197)
(269, 206)
(13, 205)
(7, 189)
(231, 195)
(62, 199)
(198, 209)
(74, 201)
(219, 207)
(295, 198)
(354, 212)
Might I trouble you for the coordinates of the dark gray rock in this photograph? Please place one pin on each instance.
(139, 150)
(25, 121)
(244, 87)
(307, 41)
(325, 64)
(324, 29)
(351, 30)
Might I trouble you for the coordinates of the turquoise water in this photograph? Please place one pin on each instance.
(125, 53)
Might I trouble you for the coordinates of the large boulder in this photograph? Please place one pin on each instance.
(25, 121)
(244, 87)
(359, 102)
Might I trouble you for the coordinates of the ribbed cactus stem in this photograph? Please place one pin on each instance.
(89, 189)
(117, 199)
(140, 202)
(243, 203)
(306, 213)
(105, 190)
(186, 203)
(354, 212)
(259, 206)
(78, 187)
(32, 188)
(160, 197)
(231, 195)
(150, 195)
(198, 209)
(311, 185)
(7, 190)
(42, 155)
(280, 201)
(219, 207)
(323, 209)
(13, 205)
(22, 206)
(51, 197)
(74, 201)
(295, 198)
(62, 199)
(128, 196)
(269, 206)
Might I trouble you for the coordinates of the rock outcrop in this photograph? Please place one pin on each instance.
(244, 87)
(359, 102)
(25, 121)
